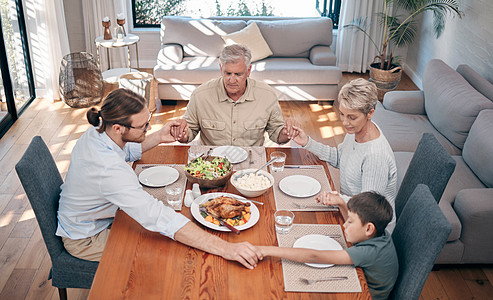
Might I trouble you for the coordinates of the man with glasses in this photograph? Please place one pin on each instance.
(99, 181)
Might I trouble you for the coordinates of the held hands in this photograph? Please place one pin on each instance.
(288, 129)
(179, 130)
(244, 253)
(300, 136)
(292, 131)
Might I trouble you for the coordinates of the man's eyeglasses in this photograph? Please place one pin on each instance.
(143, 128)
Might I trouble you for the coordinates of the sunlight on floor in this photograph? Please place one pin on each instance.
(315, 107)
(27, 215)
(333, 116)
(326, 132)
(6, 219)
(339, 130)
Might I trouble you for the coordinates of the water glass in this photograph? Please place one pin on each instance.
(193, 154)
(173, 196)
(278, 164)
(283, 220)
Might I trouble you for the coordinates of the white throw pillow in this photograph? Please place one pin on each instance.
(251, 37)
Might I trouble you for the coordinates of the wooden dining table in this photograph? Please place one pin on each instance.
(140, 264)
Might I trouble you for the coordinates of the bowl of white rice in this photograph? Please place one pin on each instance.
(250, 184)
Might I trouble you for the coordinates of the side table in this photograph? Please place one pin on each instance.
(112, 75)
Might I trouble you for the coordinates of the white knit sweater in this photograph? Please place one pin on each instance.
(368, 166)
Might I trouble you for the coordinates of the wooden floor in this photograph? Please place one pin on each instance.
(24, 261)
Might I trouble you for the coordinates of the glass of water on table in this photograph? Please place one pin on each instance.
(283, 221)
(278, 164)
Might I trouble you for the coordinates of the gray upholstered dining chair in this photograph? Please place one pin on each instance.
(41, 181)
(432, 165)
(419, 236)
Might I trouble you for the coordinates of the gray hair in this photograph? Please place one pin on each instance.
(359, 94)
(234, 53)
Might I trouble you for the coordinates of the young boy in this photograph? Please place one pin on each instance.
(373, 250)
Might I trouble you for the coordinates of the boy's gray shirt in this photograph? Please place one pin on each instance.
(378, 259)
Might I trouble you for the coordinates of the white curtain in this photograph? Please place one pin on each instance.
(48, 41)
(94, 11)
(354, 51)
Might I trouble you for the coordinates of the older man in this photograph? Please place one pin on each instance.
(235, 109)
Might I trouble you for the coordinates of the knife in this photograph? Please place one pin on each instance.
(300, 167)
(221, 221)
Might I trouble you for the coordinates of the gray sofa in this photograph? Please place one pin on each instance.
(457, 107)
(302, 66)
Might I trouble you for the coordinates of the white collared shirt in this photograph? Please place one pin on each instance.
(99, 181)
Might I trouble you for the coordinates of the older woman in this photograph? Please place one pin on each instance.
(365, 158)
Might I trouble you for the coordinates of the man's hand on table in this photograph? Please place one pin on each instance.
(244, 253)
(180, 131)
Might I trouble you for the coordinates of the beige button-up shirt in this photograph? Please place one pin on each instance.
(222, 121)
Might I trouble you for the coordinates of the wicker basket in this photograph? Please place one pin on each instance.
(385, 80)
(80, 80)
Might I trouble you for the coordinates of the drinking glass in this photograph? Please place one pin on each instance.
(193, 154)
(173, 196)
(283, 220)
(278, 164)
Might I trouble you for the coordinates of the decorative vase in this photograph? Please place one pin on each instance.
(121, 22)
(107, 31)
(80, 80)
(385, 80)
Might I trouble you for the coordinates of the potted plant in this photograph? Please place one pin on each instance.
(399, 31)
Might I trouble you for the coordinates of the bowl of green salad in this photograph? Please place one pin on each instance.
(213, 171)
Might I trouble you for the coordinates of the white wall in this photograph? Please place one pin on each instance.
(465, 41)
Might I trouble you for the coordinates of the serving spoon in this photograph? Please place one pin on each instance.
(266, 164)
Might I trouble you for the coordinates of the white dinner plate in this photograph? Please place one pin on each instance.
(195, 210)
(317, 242)
(232, 153)
(300, 186)
(158, 176)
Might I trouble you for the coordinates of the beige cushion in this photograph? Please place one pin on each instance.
(251, 37)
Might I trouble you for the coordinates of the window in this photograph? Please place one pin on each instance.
(16, 77)
(148, 13)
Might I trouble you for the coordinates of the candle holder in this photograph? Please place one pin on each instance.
(107, 32)
(121, 22)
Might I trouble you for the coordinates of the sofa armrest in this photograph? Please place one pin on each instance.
(322, 56)
(474, 207)
(406, 102)
(170, 54)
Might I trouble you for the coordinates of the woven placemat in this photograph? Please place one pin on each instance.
(159, 192)
(285, 201)
(293, 271)
(257, 156)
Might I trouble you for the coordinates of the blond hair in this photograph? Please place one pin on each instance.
(359, 94)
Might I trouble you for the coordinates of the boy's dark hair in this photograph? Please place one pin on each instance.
(371, 207)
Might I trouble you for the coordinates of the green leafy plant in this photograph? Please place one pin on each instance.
(397, 33)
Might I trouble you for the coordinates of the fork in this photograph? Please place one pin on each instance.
(251, 157)
(312, 281)
(302, 206)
